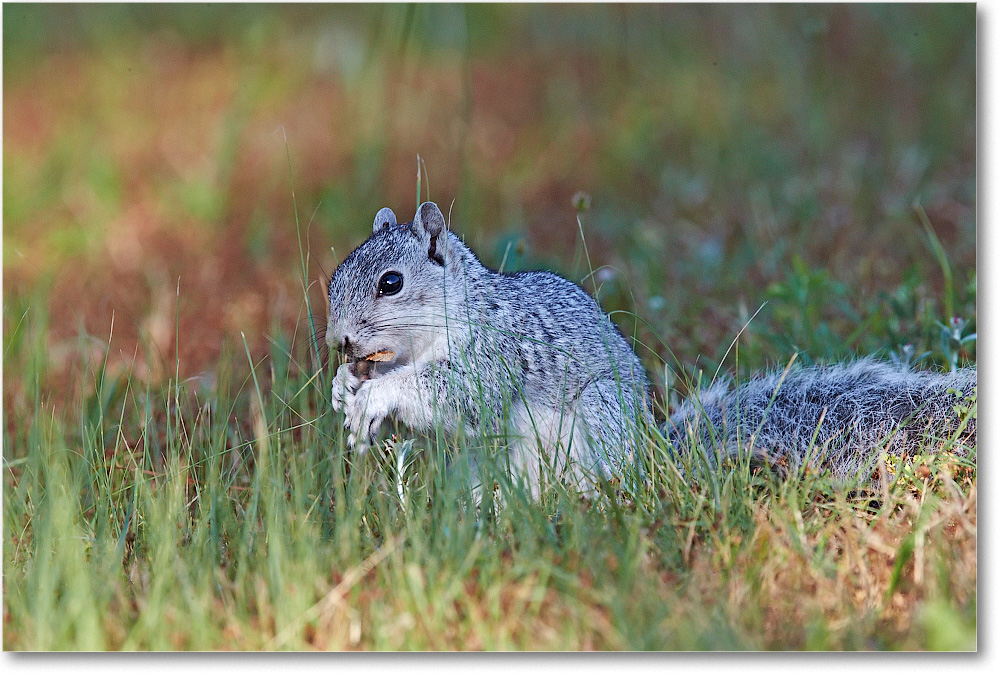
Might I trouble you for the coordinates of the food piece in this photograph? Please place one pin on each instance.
(362, 369)
(365, 368)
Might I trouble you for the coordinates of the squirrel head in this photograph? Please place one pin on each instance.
(389, 293)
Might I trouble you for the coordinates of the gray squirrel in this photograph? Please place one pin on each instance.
(431, 336)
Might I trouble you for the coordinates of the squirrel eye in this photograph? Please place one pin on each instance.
(390, 283)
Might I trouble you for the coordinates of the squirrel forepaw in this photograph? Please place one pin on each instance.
(365, 412)
(345, 384)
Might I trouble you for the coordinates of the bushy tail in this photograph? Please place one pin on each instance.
(842, 417)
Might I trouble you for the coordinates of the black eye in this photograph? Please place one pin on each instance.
(390, 283)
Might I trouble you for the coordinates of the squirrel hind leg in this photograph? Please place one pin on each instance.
(614, 422)
(545, 444)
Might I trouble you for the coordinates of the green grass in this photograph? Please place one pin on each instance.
(179, 481)
(232, 516)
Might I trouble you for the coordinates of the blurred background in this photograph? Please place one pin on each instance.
(157, 160)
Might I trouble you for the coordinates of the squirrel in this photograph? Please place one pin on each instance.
(430, 335)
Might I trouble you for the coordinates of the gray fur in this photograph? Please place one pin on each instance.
(841, 416)
(532, 358)
(528, 355)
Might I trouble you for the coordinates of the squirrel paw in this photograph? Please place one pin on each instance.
(365, 413)
(345, 384)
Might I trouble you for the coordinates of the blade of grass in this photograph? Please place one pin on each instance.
(942, 258)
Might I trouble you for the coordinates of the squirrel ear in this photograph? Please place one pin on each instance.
(384, 218)
(429, 221)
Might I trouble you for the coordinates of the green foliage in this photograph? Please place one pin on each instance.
(233, 516)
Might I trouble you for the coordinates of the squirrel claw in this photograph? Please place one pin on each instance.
(362, 442)
(364, 414)
(345, 384)
(352, 442)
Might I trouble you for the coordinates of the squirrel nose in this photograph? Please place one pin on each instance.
(346, 347)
